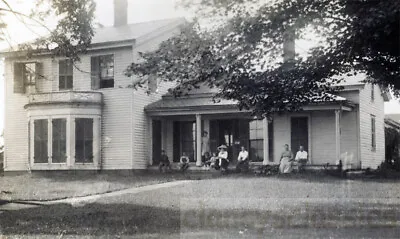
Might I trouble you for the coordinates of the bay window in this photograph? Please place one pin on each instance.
(83, 140)
(40, 141)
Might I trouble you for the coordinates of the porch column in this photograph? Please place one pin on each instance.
(265, 141)
(337, 134)
(198, 140)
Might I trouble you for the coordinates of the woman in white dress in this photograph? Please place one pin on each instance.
(286, 162)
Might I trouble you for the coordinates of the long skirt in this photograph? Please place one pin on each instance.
(285, 166)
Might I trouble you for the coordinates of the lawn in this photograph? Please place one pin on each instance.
(60, 185)
(233, 206)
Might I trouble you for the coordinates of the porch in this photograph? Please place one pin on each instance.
(327, 131)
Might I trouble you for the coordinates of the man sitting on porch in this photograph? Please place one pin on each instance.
(222, 158)
(164, 162)
(301, 158)
(243, 162)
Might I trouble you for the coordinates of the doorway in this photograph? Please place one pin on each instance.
(231, 132)
(299, 133)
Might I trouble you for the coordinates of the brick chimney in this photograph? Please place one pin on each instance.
(289, 50)
(120, 12)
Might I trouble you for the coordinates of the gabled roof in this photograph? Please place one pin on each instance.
(203, 98)
(125, 33)
(356, 81)
(131, 31)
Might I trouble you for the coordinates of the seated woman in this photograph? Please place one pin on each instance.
(184, 162)
(285, 165)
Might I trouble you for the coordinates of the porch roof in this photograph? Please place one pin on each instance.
(204, 103)
(192, 103)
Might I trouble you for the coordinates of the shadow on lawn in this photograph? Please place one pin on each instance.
(130, 219)
(111, 176)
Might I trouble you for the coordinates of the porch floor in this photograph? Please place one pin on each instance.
(193, 167)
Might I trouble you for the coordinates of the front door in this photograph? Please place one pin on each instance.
(232, 132)
(299, 133)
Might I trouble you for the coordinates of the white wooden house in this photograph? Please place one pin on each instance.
(86, 117)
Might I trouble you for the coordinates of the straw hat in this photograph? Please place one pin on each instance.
(222, 147)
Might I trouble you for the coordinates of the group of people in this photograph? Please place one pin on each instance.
(287, 160)
(221, 161)
(218, 161)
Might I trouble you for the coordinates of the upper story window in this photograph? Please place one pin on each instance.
(102, 71)
(372, 92)
(25, 74)
(65, 75)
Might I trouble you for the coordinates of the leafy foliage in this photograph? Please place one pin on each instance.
(74, 30)
(243, 55)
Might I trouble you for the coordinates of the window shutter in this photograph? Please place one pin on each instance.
(19, 86)
(38, 71)
(95, 72)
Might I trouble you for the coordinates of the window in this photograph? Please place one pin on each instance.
(83, 140)
(59, 143)
(184, 139)
(256, 141)
(373, 133)
(25, 74)
(40, 141)
(102, 71)
(65, 79)
(372, 92)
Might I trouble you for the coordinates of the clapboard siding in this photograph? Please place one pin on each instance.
(349, 139)
(117, 111)
(16, 125)
(16, 135)
(323, 137)
(351, 95)
(117, 129)
(371, 158)
(140, 144)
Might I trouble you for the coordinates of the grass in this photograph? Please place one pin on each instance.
(59, 185)
(232, 206)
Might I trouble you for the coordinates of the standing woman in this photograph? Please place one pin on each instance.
(285, 165)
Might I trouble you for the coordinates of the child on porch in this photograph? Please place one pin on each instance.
(212, 161)
(184, 162)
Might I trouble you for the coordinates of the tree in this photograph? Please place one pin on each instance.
(242, 55)
(72, 34)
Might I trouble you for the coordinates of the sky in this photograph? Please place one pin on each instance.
(139, 11)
